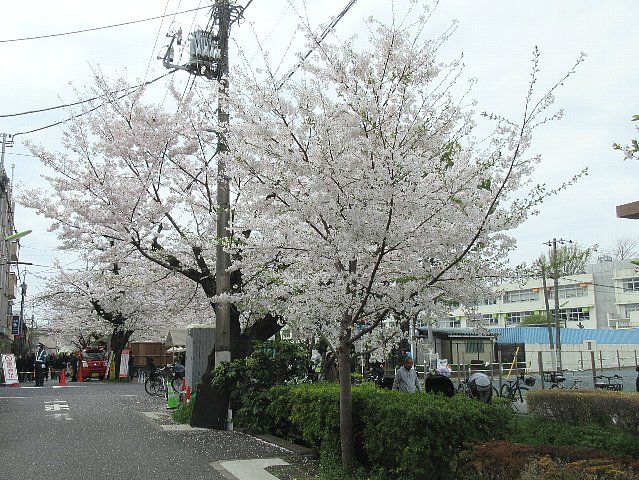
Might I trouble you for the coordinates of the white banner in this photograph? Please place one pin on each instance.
(124, 364)
(9, 368)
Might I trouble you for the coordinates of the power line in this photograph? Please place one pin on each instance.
(72, 104)
(93, 29)
(318, 42)
(94, 108)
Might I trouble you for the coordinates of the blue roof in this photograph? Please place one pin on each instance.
(569, 336)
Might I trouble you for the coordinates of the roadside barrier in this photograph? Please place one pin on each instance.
(63, 378)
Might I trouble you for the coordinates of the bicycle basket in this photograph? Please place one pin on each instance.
(530, 381)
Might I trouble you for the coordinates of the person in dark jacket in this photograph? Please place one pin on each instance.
(40, 365)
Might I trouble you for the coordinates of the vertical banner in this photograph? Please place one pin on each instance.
(9, 369)
(124, 364)
(110, 367)
(15, 325)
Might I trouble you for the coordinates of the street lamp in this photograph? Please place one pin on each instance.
(15, 236)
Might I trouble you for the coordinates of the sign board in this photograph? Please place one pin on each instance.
(15, 325)
(124, 364)
(9, 369)
(442, 362)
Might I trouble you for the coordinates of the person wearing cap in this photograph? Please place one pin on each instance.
(406, 379)
(40, 365)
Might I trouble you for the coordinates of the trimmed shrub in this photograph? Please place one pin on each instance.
(533, 430)
(599, 407)
(510, 461)
(405, 436)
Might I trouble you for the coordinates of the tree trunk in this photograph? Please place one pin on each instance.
(346, 406)
(211, 404)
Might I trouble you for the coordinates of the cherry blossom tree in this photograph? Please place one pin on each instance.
(366, 190)
(137, 180)
(129, 302)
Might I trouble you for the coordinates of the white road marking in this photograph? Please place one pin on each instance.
(251, 469)
(1, 398)
(59, 416)
(56, 406)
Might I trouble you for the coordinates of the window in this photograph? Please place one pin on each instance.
(485, 301)
(515, 318)
(474, 346)
(449, 323)
(520, 296)
(573, 315)
(631, 284)
(631, 307)
(569, 291)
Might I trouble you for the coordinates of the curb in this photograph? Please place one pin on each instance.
(293, 447)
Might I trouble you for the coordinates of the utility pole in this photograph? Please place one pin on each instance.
(555, 268)
(209, 58)
(223, 259)
(7, 141)
(21, 324)
(553, 355)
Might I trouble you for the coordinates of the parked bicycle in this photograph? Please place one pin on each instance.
(158, 380)
(513, 390)
(557, 379)
(613, 382)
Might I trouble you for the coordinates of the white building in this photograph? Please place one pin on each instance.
(605, 297)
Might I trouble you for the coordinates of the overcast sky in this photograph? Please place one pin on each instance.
(495, 37)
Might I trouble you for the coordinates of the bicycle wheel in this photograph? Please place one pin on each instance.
(505, 391)
(161, 387)
(176, 383)
(150, 386)
(554, 385)
(519, 391)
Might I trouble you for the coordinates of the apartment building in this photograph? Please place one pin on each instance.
(606, 297)
(8, 254)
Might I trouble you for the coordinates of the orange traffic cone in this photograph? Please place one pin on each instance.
(183, 387)
(79, 374)
(187, 397)
(63, 377)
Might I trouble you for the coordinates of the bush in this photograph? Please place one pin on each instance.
(509, 461)
(184, 412)
(599, 407)
(538, 431)
(396, 434)
(249, 380)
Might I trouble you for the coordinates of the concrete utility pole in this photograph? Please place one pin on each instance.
(7, 141)
(21, 324)
(223, 260)
(555, 268)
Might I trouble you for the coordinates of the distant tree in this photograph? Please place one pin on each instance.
(571, 260)
(536, 319)
(625, 248)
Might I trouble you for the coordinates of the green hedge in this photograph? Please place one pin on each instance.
(533, 430)
(599, 407)
(403, 436)
(509, 461)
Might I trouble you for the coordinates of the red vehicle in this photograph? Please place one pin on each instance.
(93, 363)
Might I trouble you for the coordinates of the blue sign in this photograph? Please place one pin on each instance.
(15, 325)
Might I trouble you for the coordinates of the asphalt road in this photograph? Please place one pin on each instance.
(98, 430)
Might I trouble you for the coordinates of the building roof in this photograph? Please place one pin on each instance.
(569, 336)
(452, 332)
